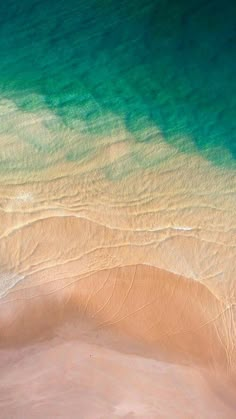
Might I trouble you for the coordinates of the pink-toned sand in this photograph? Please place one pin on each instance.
(126, 342)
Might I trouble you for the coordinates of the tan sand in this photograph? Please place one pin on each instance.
(133, 267)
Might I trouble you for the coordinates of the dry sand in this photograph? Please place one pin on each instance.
(126, 342)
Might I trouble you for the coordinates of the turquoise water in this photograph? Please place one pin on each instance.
(95, 64)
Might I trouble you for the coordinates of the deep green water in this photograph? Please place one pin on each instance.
(169, 64)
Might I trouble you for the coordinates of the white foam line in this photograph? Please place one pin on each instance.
(7, 282)
(182, 228)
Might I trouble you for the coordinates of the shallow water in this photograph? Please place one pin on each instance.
(117, 209)
(97, 67)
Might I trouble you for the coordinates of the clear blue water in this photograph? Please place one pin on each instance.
(168, 63)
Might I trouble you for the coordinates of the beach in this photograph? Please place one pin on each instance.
(146, 297)
(117, 209)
